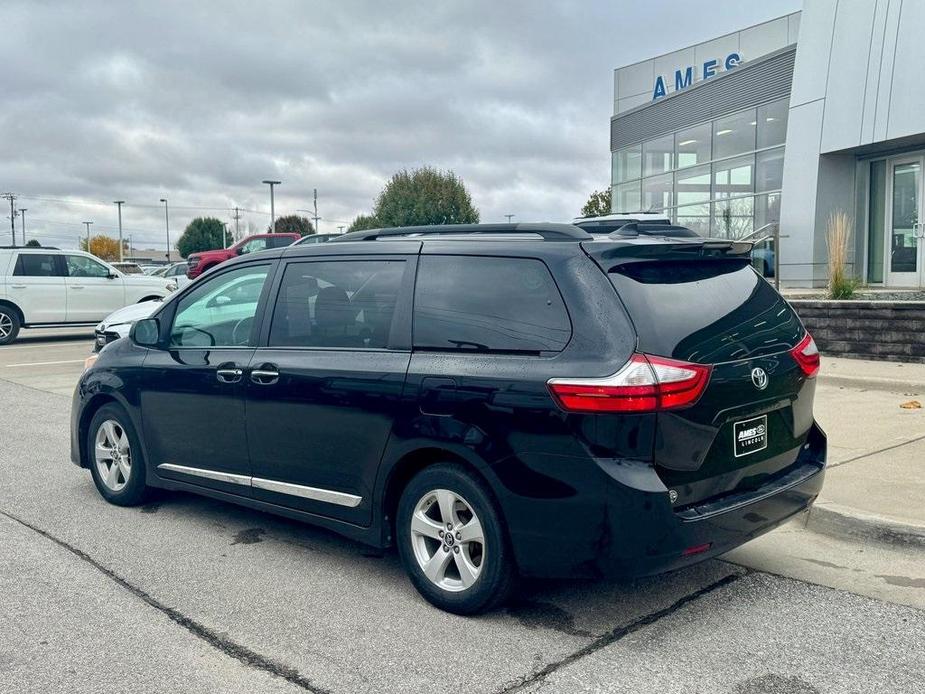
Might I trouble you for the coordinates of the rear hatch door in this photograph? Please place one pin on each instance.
(711, 307)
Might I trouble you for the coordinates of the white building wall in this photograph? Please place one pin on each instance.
(855, 84)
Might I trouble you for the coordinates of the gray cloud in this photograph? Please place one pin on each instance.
(199, 101)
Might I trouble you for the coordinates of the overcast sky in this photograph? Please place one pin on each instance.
(199, 101)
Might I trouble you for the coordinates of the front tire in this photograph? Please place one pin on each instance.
(452, 541)
(9, 325)
(116, 461)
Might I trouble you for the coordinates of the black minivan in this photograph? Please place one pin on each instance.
(494, 400)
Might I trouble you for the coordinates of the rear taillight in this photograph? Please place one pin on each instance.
(644, 384)
(807, 356)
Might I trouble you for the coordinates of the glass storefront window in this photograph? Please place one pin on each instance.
(656, 193)
(769, 170)
(734, 177)
(733, 219)
(657, 155)
(692, 146)
(692, 185)
(627, 164)
(772, 123)
(767, 210)
(627, 197)
(734, 134)
(876, 217)
(721, 177)
(696, 217)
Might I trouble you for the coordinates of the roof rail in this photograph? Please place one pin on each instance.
(548, 232)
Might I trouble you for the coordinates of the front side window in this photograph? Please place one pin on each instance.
(220, 311)
(477, 304)
(341, 304)
(82, 266)
(254, 245)
(35, 265)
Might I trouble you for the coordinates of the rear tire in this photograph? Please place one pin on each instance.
(452, 541)
(9, 324)
(115, 456)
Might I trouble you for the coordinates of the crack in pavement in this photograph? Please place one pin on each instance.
(618, 633)
(234, 650)
(878, 451)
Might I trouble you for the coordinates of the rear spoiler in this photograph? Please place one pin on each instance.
(609, 255)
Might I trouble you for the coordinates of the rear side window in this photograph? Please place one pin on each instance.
(472, 303)
(337, 304)
(706, 311)
(36, 265)
(280, 241)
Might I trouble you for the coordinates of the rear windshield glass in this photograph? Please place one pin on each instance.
(705, 311)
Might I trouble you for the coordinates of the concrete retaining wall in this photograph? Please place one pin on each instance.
(890, 330)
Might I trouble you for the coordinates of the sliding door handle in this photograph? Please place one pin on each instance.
(265, 375)
(229, 373)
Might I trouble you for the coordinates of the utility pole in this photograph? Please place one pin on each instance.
(167, 226)
(317, 231)
(22, 211)
(88, 235)
(237, 228)
(12, 199)
(272, 206)
(119, 204)
(509, 217)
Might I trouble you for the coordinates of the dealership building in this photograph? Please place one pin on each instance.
(781, 125)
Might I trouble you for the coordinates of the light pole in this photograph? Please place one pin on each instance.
(167, 226)
(272, 206)
(23, 210)
(88, 236)
(224, 234)
(509, 217)
(118, 204)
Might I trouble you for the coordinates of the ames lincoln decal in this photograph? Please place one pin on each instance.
(684, 77)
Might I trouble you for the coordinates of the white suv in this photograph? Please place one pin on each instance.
(42, 287)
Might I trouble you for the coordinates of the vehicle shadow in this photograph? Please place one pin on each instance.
(580, 608)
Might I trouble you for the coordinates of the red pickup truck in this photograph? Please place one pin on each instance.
(200, 262)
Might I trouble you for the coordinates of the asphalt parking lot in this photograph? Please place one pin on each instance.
(190, 594)
(49, 358)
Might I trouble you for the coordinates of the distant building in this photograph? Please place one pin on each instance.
(784, 123)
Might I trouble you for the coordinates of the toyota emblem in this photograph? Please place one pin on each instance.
(759, 378)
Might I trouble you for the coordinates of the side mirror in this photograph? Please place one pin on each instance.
(146, 332)
(239, 250)
(112, 276)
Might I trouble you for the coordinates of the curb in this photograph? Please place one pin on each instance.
(842, 521)
(885, 384)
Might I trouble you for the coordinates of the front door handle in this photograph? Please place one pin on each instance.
(265, 375)
(229, 373)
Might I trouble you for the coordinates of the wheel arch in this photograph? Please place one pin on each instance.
(410, 464)
(152, 297)
(9, 304)
(94, 404)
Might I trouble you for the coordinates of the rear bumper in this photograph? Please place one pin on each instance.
(640, 534)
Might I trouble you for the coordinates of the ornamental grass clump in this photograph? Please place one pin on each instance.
(837, 239)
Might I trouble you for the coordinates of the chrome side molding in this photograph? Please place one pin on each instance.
(314, 493)
(216, 475)
(327, 495)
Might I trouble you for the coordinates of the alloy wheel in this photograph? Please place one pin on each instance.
(113, 455)
(6, 325)
(448, 540)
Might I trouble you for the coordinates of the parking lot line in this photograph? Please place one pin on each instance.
(47, 363)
